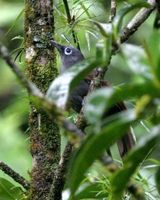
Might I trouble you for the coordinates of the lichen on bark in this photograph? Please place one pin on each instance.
(40, 68)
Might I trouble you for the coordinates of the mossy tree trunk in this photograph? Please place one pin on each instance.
(44, 133)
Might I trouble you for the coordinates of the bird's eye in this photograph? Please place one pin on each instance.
(68, 51)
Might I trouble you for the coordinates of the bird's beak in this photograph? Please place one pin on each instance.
(55, 44)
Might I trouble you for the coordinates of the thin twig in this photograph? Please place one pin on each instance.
(14, 175)
(113, 10)
(71, 21)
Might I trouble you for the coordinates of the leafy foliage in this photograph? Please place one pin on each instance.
(139, 63)
(143, 91)
(132, 161)
(94, 145)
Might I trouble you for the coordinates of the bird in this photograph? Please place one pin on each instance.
(71, 56)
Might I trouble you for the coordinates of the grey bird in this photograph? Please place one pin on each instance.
(69, 57)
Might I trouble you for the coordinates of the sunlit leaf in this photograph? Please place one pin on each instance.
(132, 161)
(95, 144)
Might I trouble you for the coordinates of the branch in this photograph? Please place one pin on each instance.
(137, 20)
(14, 175)
(60, 174)
(128, 31)
(113, 10)
(71, 20)
(39, 100)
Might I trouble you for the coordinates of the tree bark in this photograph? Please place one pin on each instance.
(40, 67)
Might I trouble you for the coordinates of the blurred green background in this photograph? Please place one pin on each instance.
(14, 105)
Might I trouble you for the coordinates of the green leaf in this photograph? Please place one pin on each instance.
(8, 191)
(151, 47)
(60, 88)
(90, 191)
(104, 28)
(102, 99)
(95, 144)
(132, 161)
(137, 62)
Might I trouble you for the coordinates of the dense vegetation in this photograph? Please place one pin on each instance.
(130, 64)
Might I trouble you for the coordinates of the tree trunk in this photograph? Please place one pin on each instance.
(40, 67)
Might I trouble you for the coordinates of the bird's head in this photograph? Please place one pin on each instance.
(69, 55)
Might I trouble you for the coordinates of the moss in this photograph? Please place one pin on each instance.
(40, 68)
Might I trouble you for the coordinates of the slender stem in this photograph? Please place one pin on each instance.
(71, 20)
(14, 175)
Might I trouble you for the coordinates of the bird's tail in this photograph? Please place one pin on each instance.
(126, 143)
